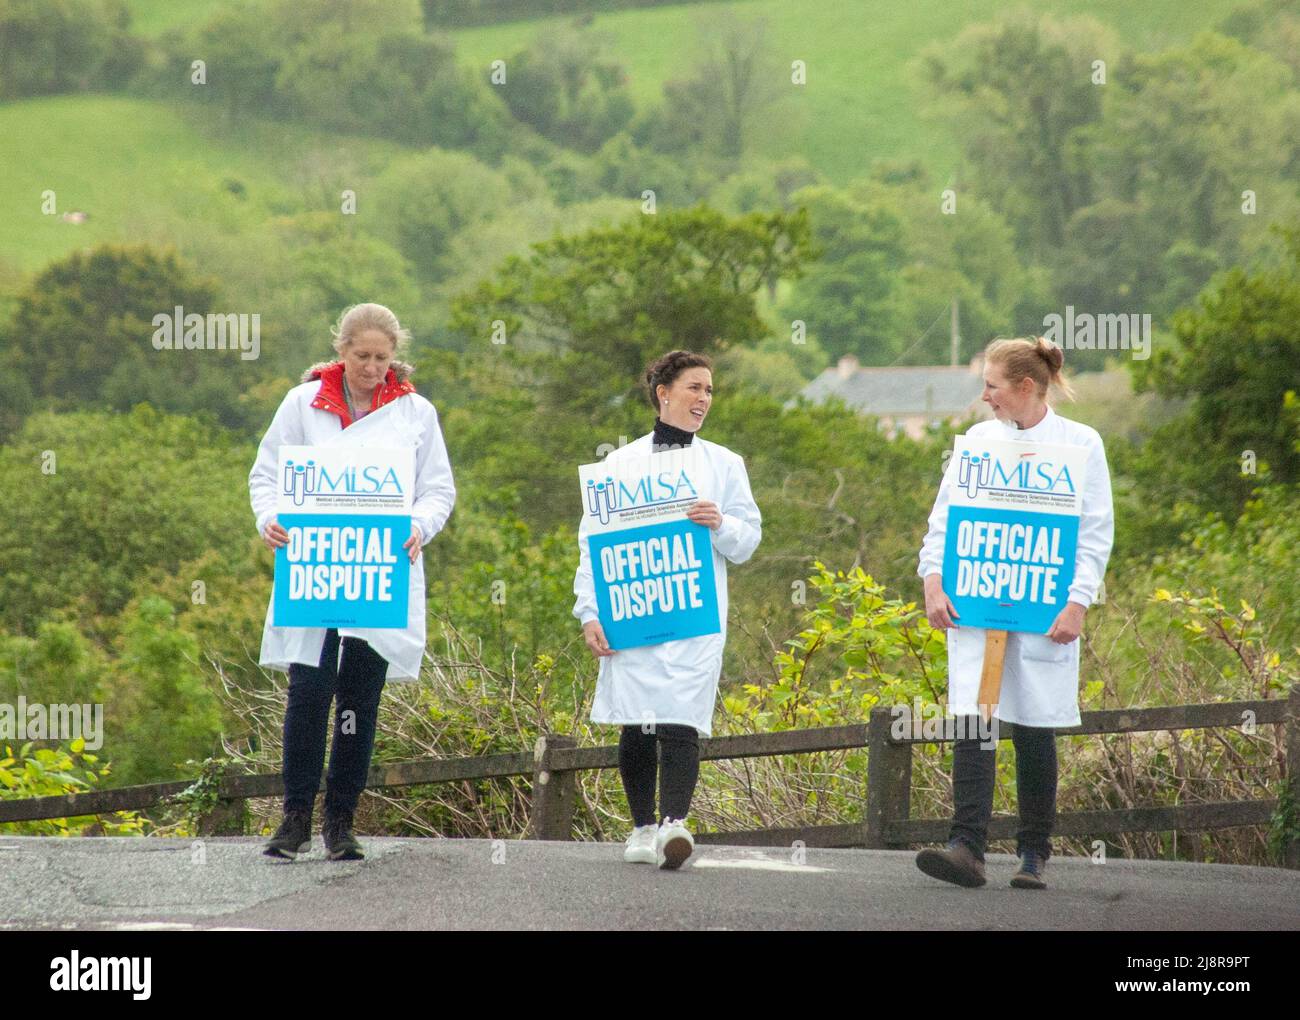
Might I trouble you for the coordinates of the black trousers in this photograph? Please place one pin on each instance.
(973, 779)
(355, 685)
(677, 764)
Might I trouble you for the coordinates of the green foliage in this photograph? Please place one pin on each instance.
(856, 648)
(82, 335)
(1284, 827)
(1082, 169)
(857, 300)
(201, 797)
(1236, 357)
(363, 67)
(567, 88)
(716, 107)
(160, 710)
(1252, 666)
(57, 666)
(1016, 92)
(56, 772)
(50, 46)
(106, 499)
(422, 201)
(341, 264)
(618, 297)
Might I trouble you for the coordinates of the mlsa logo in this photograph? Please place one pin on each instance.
(310, 479)
(604, 499)
(1025, 473)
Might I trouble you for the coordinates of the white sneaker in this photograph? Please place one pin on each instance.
(640, 848)
(673, 844)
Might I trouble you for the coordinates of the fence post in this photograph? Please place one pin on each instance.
(889, 780)
(554, 792)
(226, 818)
(1291, 840)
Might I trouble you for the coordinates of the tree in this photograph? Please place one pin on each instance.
(712, 109)
(1237, 357)
(423, 201)
(564, 88)
(82, 334)
(1017, 94)
(107, 499)
(160, 712)
(51, 46)
(601, 305)
(1185, 132)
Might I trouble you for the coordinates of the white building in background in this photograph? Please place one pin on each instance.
(907, 398)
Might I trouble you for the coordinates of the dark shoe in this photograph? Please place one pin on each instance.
(956, 863)
(292, 838)
(1030, 875)
(340, 844)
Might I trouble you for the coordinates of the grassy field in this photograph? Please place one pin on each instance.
(859, 103)
(154, 17)
(141, 170)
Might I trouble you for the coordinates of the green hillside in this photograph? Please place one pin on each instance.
(858, 104)
(143, 170)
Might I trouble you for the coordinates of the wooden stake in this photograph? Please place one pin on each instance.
(995, 651)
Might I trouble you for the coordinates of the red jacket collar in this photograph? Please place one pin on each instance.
(330, 395)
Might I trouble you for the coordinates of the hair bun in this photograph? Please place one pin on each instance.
(1051, 353)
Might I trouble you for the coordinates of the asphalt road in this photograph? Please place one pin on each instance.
(414, 884)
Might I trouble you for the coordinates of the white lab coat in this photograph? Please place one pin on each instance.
(408, 420)
(675, 682)
(1040, 678)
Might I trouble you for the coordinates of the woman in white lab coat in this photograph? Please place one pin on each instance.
(363, 398)
(1040, 677)
(664, 694)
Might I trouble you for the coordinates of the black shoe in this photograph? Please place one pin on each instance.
(340, 844)
(1030, 875)
(292, 838)
(956, 863)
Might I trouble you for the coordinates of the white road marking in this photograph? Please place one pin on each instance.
(755, 861)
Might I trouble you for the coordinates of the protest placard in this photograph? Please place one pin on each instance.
(347, 510)
(652, 566)
(1013, 529)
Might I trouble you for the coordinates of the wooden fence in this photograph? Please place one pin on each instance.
(555, 763)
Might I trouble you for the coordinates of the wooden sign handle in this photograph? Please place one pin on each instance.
(995, 651)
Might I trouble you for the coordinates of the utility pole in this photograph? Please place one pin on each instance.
(956, 338)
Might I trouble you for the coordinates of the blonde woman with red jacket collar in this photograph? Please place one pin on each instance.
(363, 398)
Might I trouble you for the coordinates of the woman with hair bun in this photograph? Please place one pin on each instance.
(367, 395)
(1040, 677)
(663, 695)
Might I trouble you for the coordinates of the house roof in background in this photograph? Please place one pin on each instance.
(908, 389)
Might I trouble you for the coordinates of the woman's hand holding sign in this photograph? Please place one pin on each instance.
(275, 536)
(938, 607)
(412, 544)
(706, 513)
(594, 634)
(1068, 624)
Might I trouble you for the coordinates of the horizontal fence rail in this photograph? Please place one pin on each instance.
(555, 762)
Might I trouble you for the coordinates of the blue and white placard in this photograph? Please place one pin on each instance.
(1013, 529)
(651, 565)
(347, 510)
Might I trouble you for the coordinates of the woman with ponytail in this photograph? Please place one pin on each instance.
(1040, 677)
(663, 695)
